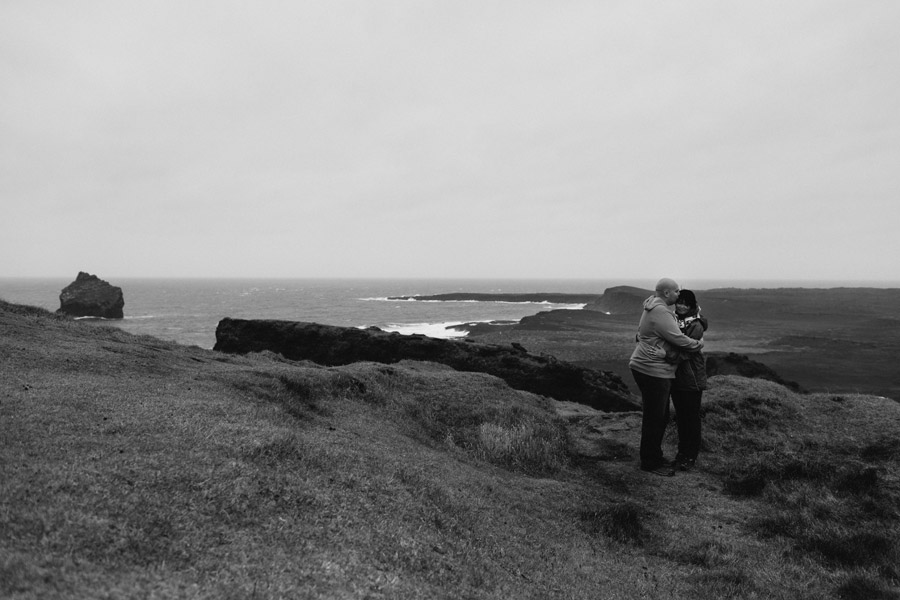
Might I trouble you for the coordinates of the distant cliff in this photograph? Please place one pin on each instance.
(618, 300)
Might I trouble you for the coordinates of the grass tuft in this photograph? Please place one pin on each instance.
(301, 392)
(857, 479)
(826, 492)
(299, 396)
(27, 310)
(860, 587)
(522, 434)
(741, 414)
(279, 451)
(729, 582)
(745, 416)
(751, 483)
(705, 553)
(857, 549)
(528, 447)
(883, 449)
(18, 574)
(751, 477)
(621, 522)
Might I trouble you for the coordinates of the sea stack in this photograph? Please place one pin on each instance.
(90, 296)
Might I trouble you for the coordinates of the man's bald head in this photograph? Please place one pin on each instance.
(667, 289)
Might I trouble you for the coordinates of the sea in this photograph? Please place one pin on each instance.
(187, 311)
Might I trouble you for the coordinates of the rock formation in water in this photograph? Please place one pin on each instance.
(90, 296)
(329, 345)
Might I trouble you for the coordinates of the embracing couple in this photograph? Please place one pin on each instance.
(667, 361)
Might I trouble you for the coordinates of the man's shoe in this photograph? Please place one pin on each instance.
(664, 469)
(686, 464)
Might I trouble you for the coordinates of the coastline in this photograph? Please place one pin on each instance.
(163, 470)
(838, 339)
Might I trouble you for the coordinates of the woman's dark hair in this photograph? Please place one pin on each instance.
(687, 297)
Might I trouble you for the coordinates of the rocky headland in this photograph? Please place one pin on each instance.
(836, 339)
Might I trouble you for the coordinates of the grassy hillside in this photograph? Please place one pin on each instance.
(133, 467)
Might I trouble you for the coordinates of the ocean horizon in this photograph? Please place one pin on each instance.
(187, 310)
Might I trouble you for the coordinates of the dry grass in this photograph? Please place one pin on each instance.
(621, 522)
(134, 468)
(533, 447)
(826, 469)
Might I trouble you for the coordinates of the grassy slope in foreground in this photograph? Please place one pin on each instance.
(133, 467)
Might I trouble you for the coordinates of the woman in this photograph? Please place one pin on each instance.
(690, 381)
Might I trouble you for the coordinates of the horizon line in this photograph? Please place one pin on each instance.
(731, 281)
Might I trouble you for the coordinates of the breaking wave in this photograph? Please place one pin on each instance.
(435, 330)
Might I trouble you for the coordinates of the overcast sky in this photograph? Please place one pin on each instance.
(598, 139)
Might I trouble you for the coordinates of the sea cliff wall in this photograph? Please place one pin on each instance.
(330, 345)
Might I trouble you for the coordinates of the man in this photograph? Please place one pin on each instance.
(653, 374)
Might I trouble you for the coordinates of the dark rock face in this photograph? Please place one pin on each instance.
(90, 296)
(329, 345)
(739, 364)
(563, 320)
(623, 299)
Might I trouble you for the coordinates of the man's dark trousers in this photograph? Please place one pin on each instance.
(655, 398)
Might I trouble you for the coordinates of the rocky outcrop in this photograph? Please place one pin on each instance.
(623, 299)
(594, 435)
(739, 364)
(90, 296)
(563, 320)
(329, 345)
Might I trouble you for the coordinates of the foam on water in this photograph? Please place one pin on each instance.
(545, 303)
(435, 330)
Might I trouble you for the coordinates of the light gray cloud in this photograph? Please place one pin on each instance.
(498, 139)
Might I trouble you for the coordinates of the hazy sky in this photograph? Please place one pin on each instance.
(599, 139)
